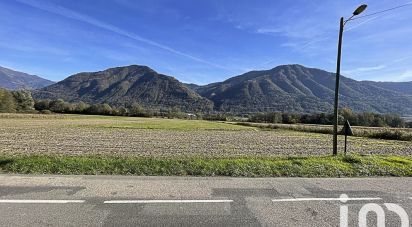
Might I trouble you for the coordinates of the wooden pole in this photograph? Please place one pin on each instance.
(346, 136)
(335, 109)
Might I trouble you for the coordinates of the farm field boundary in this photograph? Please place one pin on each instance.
(367, 132)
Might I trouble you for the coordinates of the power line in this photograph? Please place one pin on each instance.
(383, 11)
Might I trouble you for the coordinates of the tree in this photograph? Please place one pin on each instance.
(349, 115)
(275, 117)
(24, 101)
(7, 102)
(394, 120)
(57, 106)
(366, 119)
(290, 118)
(122, 111)
(137, 110)
(42, 105)
(81, 107)
(106, 109)
(378, 122)
(101, 109)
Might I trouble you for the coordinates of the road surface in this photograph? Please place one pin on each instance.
(50, 200)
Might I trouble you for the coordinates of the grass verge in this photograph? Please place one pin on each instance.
(313, 166)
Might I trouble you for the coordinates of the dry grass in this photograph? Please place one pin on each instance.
(403, 134)
(126, 136)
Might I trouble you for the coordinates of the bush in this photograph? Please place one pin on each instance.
(215, 117)
(46, 112)
(58, 106)
(41, 105)
(391, 135)
(99, 109)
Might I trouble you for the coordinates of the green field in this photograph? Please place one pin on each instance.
(32, 143)
(169, 124)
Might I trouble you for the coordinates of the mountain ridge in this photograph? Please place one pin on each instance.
(301, 89)
(15, 80)
(121, 86)
(402, 87)
(285, 88)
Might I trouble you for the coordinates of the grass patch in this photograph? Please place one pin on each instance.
(312, 166)
(171, 124)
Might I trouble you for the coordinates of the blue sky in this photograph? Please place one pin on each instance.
(206, 40)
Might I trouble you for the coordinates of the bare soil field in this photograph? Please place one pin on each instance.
(128, 136)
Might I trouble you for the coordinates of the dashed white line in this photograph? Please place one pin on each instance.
(169, 201)
(36, 201)
(322, 199)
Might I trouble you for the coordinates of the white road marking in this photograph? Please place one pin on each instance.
(322, 199)
(169, 201)
(39, 201)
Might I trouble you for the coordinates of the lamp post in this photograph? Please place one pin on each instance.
(358, 11)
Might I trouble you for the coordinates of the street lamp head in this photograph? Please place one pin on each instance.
(360, 9)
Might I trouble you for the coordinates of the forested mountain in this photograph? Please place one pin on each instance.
(295, 88)
(13, 80)
(123, 86)
(286, 88)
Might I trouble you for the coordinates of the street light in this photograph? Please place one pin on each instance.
(358, 11)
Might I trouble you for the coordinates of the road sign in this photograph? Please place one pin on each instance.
(347, 131)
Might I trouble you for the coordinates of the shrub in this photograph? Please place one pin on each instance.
(46, 112)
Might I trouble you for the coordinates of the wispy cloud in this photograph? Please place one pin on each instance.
(372, 68)
(269, 30)
(62, 11)
(362, 70)
(292, 32)
(402, 59)
(360, 24)
(29, 47)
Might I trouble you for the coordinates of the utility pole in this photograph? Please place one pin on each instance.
(358, 11)
(335, 109)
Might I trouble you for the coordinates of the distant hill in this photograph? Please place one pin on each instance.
(193, 87)
(123, 86)
(13, 80)
(295, 88)
(402, 87)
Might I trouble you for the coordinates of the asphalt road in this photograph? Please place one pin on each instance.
(193, 201)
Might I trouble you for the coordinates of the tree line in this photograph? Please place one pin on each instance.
(22, 101)
(133, 110)
(16, 101)
(358, 119)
